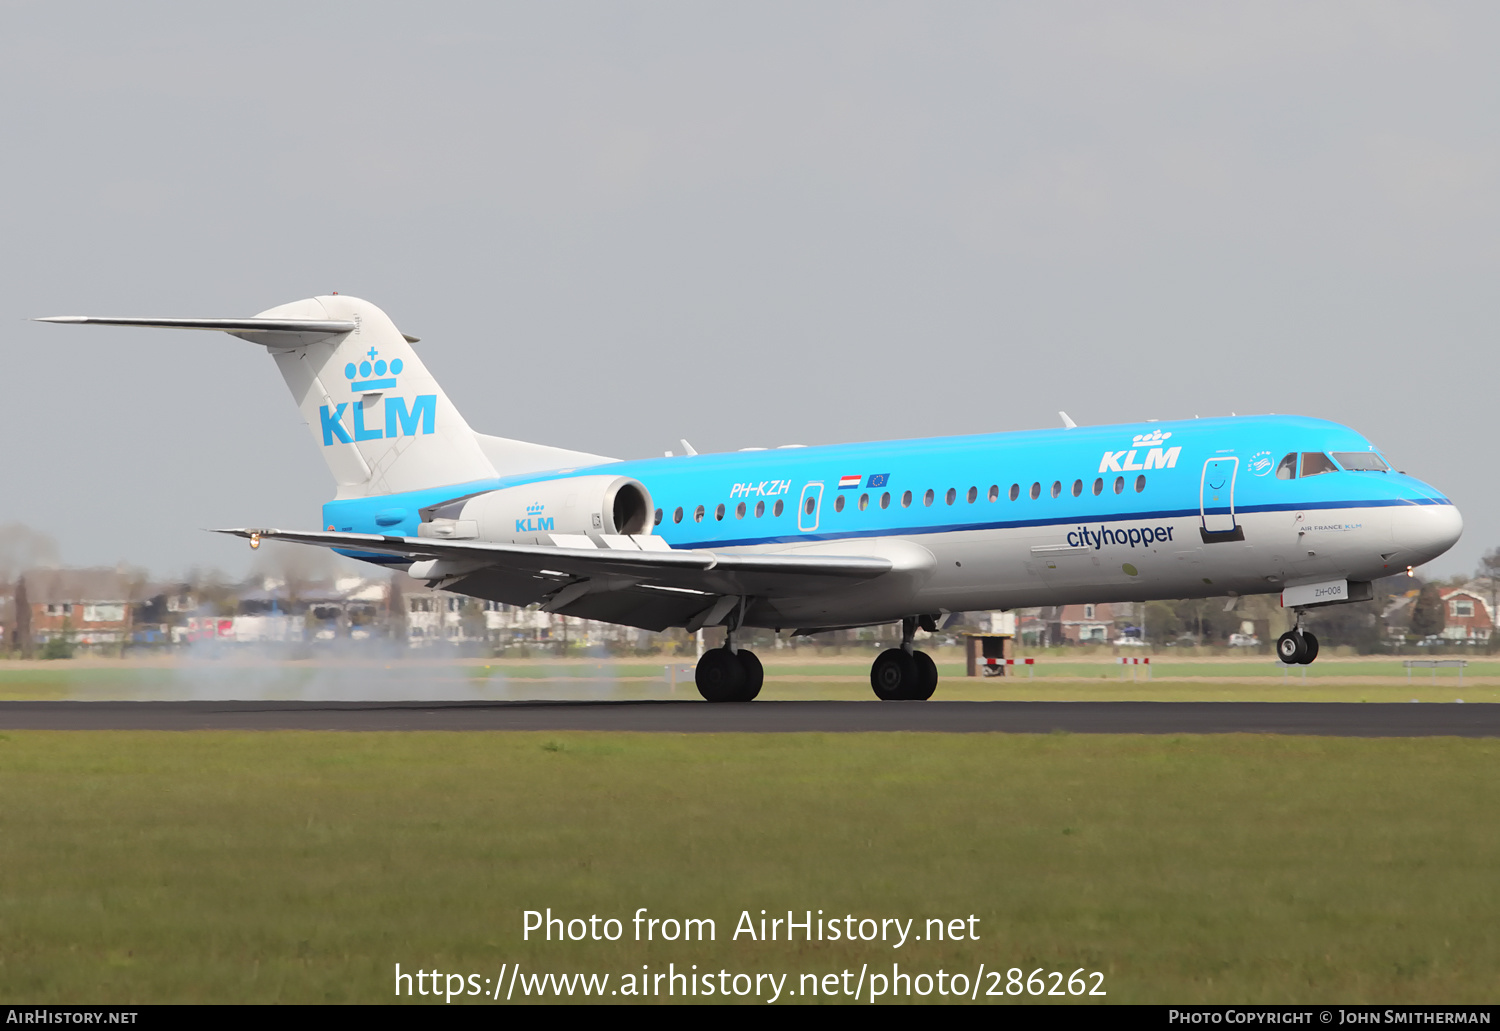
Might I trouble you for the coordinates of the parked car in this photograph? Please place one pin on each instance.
(1131, 642)
(1243, 640)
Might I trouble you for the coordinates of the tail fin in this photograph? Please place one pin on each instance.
(383, 424)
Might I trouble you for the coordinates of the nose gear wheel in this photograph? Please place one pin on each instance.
(1297, 648)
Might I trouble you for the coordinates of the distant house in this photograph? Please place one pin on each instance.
(167, 604)
(1088, 624)
(1468, 615)
(1038, 627)
(438, 617)
(85, 606)
(1100, 623)
(163, 612)
(270, 611)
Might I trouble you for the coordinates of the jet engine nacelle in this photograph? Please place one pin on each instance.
(529, 514)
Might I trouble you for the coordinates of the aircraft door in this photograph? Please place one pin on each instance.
(1216, 499)
(810, 505)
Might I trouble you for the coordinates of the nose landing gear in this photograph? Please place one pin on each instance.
(1297, 647)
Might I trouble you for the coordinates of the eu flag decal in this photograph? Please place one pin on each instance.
(877, 479)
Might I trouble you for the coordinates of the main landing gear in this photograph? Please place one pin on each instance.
(1297, 647)
(729, 674)
(904, 674)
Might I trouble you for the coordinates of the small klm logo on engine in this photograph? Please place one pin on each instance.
(534, 521)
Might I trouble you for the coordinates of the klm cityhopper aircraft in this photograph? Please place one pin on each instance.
(821, 538)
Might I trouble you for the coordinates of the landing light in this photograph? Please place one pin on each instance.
(255, 540)
(1410, 572)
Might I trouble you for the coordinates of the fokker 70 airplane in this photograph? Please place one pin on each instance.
(822, 538)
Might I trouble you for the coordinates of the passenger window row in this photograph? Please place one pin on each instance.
(740, 511)
(928, 499)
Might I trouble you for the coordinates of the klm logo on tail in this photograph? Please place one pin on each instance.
(534, 520)
(401, 420)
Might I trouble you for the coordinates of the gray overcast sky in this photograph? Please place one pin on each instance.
(615, 224)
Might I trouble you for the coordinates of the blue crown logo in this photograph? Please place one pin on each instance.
(373, 373)
(534, 508)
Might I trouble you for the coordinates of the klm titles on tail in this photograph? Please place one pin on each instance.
(400, 421)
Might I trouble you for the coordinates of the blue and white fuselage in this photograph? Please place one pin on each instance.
(1046, 517)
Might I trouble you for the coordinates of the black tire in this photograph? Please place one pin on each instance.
(755, 674)
(1290, 647)
(927, 677)
(893, 675)
(720, 676)
(1309, 648)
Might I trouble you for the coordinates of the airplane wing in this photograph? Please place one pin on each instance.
(621, 583)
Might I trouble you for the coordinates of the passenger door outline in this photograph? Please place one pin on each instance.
(815, 491)
(1216, 500)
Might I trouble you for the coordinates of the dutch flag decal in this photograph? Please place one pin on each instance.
(850, 482)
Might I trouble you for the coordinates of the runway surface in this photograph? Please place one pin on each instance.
(1334, 719)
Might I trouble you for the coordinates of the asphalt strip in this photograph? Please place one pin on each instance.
(1329, 719)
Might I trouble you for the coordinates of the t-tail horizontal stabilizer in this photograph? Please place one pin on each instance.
(282, 332)
(378, 417)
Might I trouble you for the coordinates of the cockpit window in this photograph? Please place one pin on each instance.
(1361, 461)
(1315, 462)
(1287, 470)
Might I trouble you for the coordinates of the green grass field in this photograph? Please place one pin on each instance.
(278, 867)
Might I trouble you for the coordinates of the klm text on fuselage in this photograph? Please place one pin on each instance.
(400, 421)
(1124, 461)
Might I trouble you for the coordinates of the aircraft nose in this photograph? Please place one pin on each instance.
(1426, 531)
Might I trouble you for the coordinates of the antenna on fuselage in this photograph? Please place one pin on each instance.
(687, 448)
(1068, 423)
